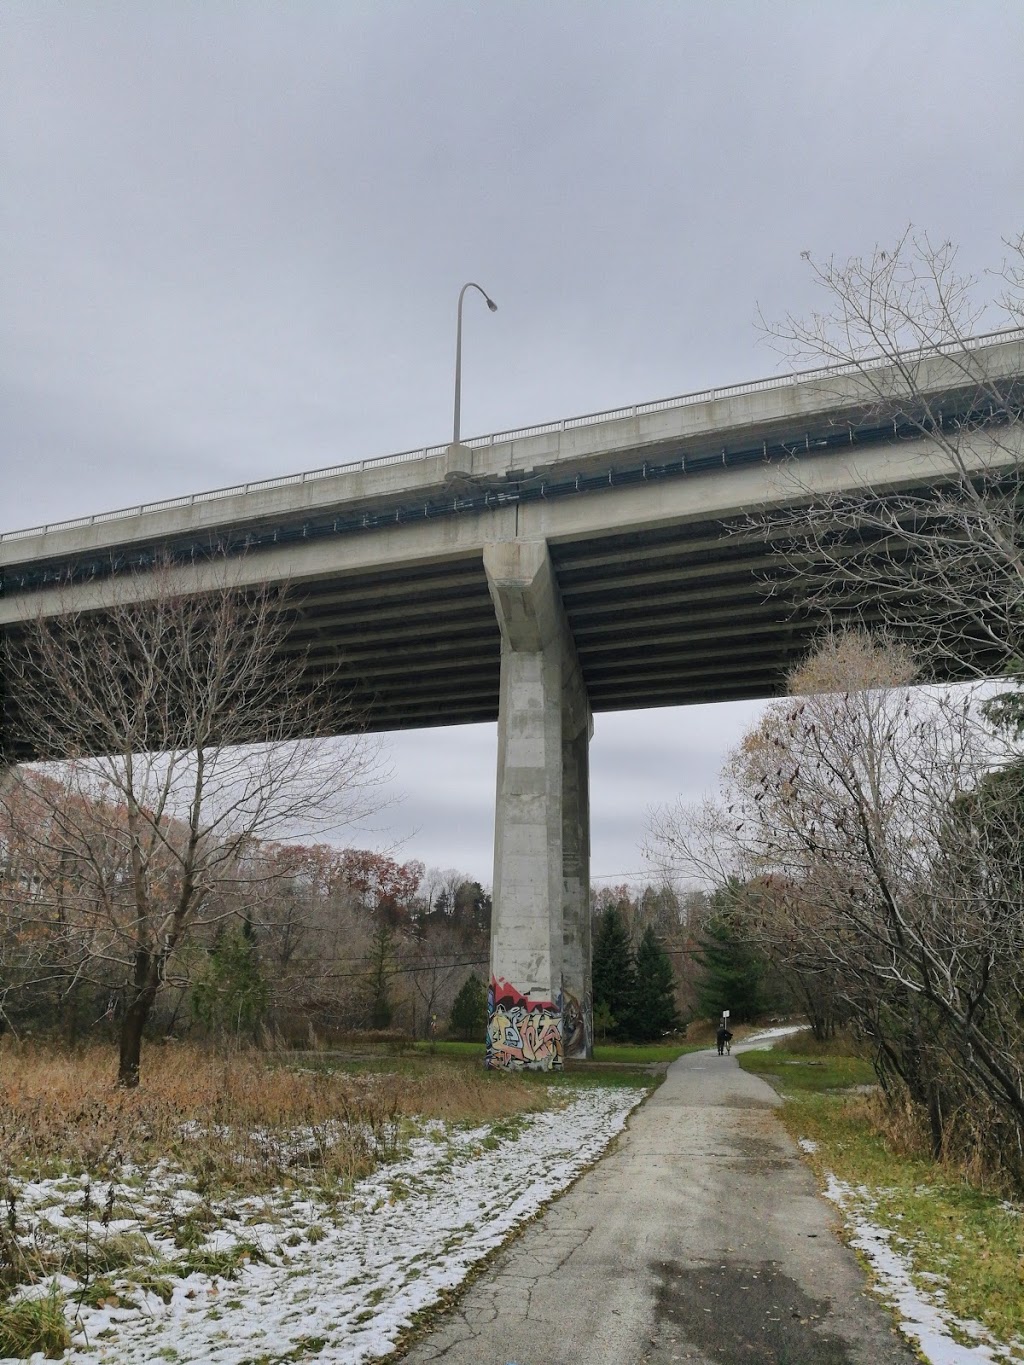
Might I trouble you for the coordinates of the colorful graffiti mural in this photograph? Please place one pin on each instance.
(577, 1034)
(521, 1032)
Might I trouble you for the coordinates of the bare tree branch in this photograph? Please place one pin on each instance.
(179, 735)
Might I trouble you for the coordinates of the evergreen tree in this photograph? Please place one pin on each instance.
(469, 1010)
(733, 970)
(654, 1012)
(1005, 711)
(604, 1021)
(231, 994)
(614, 973)
(381, 969)
(471, 911)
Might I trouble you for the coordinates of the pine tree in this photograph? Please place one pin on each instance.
(381, 966)
(469, 1010)
(733, 970)
(654, 1012)
(614, 973)
(231, 994)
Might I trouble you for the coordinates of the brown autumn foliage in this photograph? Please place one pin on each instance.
(184, 730)
(307, 914)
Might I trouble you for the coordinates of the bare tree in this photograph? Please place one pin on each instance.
(178, 735)
(439, 888)
(438, 960)
(942, 564)
(854, 814)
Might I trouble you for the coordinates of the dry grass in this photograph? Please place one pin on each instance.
(238, 1121)
(701, 1031)
(36, 1324)
(220, 1126)
(841, 1044)
(972, 1149)
(950, 1224)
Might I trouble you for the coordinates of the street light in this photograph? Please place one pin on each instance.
(458, 349)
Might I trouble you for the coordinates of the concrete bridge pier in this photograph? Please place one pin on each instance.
(577, 731)
(539, 998)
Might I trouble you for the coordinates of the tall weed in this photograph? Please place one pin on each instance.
(35, 1324)
(241, 1121)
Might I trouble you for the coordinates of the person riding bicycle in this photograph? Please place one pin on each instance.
(722, 1037)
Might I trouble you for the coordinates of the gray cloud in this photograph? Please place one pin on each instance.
(443, 784)
(232, 236)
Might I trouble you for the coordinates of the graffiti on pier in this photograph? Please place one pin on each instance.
(576, 1025)
(522, 1032)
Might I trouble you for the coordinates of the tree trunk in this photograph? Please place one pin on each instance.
(935, 1121)
(135, 1016)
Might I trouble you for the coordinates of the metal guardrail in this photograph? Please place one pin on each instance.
(516, 434)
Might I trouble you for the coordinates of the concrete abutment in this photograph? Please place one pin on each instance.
(539, 999)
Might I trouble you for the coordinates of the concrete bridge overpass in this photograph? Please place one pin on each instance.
(536, 577)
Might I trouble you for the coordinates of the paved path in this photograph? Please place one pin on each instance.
(700, 1237)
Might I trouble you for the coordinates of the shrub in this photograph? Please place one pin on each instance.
(36, 1324)
(469, 1010)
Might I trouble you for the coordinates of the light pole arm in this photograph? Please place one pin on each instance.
(458, 350)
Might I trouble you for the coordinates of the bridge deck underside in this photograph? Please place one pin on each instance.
(409, 649)
(674, 616)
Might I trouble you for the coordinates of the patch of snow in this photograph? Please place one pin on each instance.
(767, 1037)
(346, 1278)
(807, 1144)
(925, 1321)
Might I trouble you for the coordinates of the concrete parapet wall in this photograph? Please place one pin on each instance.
(760, 414)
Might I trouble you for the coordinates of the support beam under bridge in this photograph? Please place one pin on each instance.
(539, 1003)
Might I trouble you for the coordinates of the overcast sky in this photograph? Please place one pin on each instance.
(232, 237)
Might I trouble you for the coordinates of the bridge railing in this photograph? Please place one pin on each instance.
(516, 434)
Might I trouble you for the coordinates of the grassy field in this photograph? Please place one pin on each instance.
(798, 1073)
(643, 1053)
(636, 1054)
(220, 1133)
(966, 1241)
(228, 1119)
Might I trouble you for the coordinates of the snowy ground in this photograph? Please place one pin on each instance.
(316, 1282)
(767, 1037)
(340, 1282)
(922, 1318)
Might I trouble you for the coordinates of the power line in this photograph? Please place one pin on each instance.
(606, 876)
(406, 971)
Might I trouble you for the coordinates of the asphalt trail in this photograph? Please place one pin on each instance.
(700, 1237)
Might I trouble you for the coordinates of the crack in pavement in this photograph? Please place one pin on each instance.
(701, 1236)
